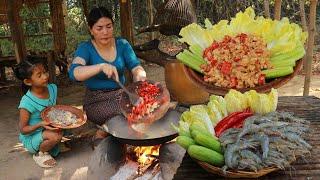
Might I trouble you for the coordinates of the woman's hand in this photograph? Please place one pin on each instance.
(110, 71)
(139, 74)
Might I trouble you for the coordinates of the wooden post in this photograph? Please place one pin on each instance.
(2, 69)
(150, 18)
(51, 67)
(126, 20)
(304, 27)
(16, 30)
(277, 9)
(309, 58)
(266, 5)
(58, 26)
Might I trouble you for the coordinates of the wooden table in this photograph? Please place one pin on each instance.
(304, 107)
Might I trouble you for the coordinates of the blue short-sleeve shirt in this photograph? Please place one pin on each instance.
(125, 59)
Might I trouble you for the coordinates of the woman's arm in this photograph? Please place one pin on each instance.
(23, 123)
(83, 72)
(139, 74)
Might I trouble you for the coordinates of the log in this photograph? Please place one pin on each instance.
(309, 58)
(277, 9)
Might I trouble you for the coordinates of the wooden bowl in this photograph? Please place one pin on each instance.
(237, 173)
(163, 99)
(79, 114)
(197, 78)
(181, 87)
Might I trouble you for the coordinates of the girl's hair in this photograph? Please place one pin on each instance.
(25, 69)
(97, 13)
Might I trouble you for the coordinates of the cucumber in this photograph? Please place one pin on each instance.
(208, 142)
(196, 127)
(277, 72)
(206, 155)
(194, 133)
(185, 141)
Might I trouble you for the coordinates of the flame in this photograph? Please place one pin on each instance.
(146, 154)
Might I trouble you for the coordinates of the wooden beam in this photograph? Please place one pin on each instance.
(277, 9)
(58, 26)
(16, 30)
(126, 20)
(26, 36)
(309, 56)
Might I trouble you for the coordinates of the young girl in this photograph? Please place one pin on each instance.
(37, 136)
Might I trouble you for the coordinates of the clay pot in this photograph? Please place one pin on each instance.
(181, 88)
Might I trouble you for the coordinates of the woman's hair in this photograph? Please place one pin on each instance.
(97, 13)
(25, 69)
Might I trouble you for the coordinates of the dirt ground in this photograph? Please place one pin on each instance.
(15, 163)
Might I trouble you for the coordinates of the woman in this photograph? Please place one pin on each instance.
(101, 61)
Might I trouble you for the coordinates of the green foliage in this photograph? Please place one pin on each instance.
(77, 30)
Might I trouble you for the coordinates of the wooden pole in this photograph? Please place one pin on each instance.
(150, 19)
(304, 26)
(126, 20)
(51, 67)
(16, 30)
(277, 9)
(266, 5)
(309, 58)
(58, 26)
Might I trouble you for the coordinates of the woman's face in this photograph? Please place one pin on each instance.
(102, 30)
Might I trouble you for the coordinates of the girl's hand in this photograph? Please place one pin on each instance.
(44, 123)
(110, 71)
(51, 128)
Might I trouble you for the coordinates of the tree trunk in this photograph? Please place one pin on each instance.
(126, 20)
(309, 58)
(85, 8)
(266, 5)
(277, 9)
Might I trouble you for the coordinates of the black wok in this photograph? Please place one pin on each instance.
(158, 132)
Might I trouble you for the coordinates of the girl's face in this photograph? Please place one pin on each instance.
(39, 77)
(102, 30)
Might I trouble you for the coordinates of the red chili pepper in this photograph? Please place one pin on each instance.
(224, 121)
(262, 79)
(230, 121)
(243, 37)
(226, 67)
(214, 46)
(233, 82)
(242, 118)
